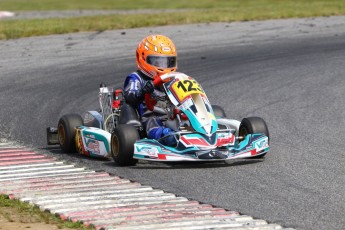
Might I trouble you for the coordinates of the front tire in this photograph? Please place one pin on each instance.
(251, 125)
(218, 111)
(66, 131)
(122, 144)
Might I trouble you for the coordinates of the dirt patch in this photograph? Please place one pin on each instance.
(11, 219)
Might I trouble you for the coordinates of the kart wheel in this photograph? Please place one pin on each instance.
(66, 131)
(218, 111)
(122, 144)
(251, 125)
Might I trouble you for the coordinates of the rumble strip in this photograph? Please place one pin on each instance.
(105, 201)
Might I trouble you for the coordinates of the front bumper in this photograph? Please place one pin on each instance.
(253, 145)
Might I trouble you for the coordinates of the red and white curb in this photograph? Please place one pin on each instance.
(105, 201)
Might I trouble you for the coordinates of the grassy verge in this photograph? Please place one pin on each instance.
(14, 210)
(25, 5)
(204, 11)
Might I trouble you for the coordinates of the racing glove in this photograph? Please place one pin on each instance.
(148, 87)
(159, 95)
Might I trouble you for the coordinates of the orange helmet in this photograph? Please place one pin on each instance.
(156, 55)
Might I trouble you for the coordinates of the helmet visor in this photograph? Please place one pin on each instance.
(162, 61)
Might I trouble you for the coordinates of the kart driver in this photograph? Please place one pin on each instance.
(155, 56)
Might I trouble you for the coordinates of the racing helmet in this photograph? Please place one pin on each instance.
(156, 55)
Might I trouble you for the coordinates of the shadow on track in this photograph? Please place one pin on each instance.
(142, 164)
(186, 164)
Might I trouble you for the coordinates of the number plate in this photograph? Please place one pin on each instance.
(184, 88)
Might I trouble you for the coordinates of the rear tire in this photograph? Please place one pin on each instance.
(122, 144)
(218, 111)
(251, 125)
(66, 131)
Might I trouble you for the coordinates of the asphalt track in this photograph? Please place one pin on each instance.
(290, 72)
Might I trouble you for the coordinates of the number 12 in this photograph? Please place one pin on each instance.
(192, 86)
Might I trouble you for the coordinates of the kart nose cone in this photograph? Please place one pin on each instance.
(208, 129)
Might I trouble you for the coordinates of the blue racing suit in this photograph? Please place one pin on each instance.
(134, 95)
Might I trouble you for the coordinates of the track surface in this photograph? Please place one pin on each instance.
(290, 72)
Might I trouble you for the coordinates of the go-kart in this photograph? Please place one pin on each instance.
(201, 131)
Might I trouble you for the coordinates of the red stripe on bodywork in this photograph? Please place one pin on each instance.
(162, 156)
(195, 141)
(227, 140)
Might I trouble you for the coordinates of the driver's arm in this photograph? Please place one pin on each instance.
(136, 88)
(133, 90)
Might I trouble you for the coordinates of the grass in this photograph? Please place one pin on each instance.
(22, 5)
(200, 11)
(15, 210)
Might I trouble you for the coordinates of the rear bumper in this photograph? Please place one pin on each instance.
(52, 136)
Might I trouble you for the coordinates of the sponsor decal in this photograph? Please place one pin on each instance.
(261, 144)
(93, 146)
(187, 104)
(90, 136)
(225, 138)
(151, 152)
(166, 49)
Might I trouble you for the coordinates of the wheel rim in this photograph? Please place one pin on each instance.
(61, 134)
(115, 145)
(78, 141)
